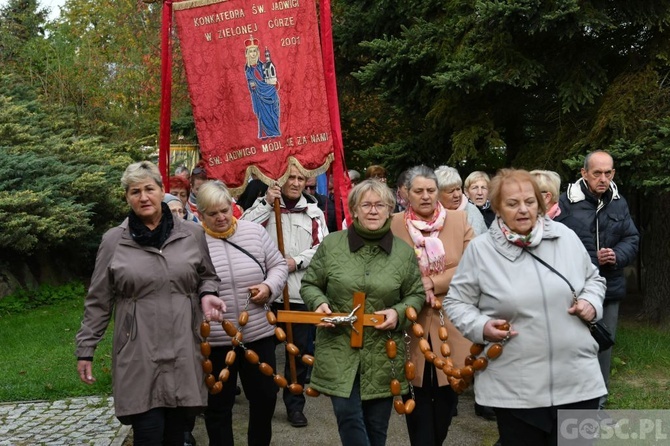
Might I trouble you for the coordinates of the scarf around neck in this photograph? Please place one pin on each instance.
(554, 211)
(225, 234)
(463, 205)
(429, 250)
(372, 235)
(144, 236)
(533, 238)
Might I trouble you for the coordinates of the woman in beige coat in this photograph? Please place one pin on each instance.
(152, 274)
(439, 237)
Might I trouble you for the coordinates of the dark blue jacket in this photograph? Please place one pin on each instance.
(604, 223)
(487, 213)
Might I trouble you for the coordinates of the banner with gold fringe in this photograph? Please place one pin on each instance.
(256, 82)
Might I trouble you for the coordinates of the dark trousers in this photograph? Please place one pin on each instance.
(362, 423)
(611, 319)
(533, 427)
(259, 389)
(301, 337)
(160, 426)
(429, 423)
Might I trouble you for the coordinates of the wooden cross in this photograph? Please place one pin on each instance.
(358, 317)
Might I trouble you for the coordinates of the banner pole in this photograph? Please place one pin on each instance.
(341, 181)
(287, 303)
(166, 95)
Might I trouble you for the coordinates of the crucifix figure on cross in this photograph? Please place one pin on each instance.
(356, 319)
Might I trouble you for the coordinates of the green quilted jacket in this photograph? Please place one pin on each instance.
(389, 275)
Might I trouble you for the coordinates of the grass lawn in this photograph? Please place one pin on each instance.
(37, 359)
(640, 364)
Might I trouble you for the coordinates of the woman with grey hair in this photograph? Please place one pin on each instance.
(450, 194)
(363, 258)
(438, 237)
(153, 275)
(477, 190)
(253, 273)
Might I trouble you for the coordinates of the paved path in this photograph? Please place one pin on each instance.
(91, 421)
(466, 429)
(75, 421)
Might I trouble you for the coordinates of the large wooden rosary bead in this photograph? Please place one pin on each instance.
(391, 348)
(410, 312)
(494, 351)
(265, 368)
(295, 389)
(229, 328)
(280, 381)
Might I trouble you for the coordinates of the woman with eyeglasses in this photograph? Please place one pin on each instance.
(439, 237)
(376, 172)
(180, 187)
(366, 258)
(175, 205)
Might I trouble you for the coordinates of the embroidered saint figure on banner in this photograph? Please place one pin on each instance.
(263, 88)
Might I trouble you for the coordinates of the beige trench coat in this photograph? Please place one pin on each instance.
(455, 236)
(154, 296)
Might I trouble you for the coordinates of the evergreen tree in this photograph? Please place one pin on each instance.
(486, 84)
(21, 21)
(59, 190)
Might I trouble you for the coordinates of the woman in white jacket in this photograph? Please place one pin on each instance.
(246, 260)
(549, 361)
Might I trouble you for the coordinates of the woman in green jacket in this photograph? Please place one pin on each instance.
(365, 258)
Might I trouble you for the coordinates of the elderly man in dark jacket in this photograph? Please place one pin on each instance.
(594, 209)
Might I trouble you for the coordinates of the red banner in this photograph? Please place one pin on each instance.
(256, 82)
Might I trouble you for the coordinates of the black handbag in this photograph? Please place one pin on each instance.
(600, 332)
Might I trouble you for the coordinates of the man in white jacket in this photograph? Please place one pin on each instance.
(303, 229)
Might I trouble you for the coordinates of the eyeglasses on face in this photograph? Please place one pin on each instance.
(367, 207)
(310, 187)
(198, 171)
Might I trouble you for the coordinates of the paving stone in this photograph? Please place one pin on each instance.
(73, 421)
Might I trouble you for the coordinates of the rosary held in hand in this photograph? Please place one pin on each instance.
(459, 378)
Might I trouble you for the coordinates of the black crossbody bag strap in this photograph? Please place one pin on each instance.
(600, 332)
(236, 246)
(574, 293)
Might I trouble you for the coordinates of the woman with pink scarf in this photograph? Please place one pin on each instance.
(439, 237)
(549, 183)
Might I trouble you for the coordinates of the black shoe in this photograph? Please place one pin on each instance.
(485, 412)
(238, 390)
(297, 419)
(189, 440)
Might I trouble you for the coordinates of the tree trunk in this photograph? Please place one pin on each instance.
(655, 254)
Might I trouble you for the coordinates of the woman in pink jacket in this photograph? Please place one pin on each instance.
(246, 260)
